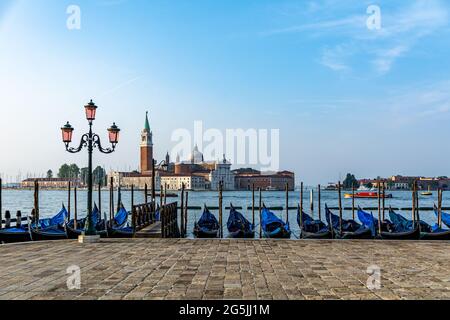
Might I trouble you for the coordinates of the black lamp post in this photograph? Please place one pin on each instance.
(90, 141)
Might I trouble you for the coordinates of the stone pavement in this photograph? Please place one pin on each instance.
(225, 269)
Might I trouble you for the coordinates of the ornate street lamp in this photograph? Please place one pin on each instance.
(90, 141)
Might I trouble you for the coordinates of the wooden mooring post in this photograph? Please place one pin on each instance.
(18, 219)
(311, 202)
(100, 198)
(319, 205)
(353, 201)
(383, 201)
(68, 200)
(379, 207)
(182, 227)
(260, 212)
(36, 202)
(111, 201)
(287, 202)
(340, 207)
(7, 219)
(253, 204)
(75, 208)
(301, 204)
(186, 214)
(145, 194)
(1, 208)
(220, 209)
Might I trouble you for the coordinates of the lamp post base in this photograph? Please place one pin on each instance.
(88, 239)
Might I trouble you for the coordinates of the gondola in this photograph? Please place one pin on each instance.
(51, 229)
(350, 228)
(12, 235)
(401, 232)
(273, 227)
(428, 232)
(100, 226)
(312, 229)
(444, 216)
(207, 226)
(120, 228)
(238, 226)
(52, 233)
(368, 220)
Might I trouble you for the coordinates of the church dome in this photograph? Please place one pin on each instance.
(196, 156)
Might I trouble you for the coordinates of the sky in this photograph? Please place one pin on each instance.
(345, 98)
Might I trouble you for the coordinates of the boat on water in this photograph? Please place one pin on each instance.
(310, 228)
(366, 195)
(427, 193)
(272, 226)
(444, 216)
(238, 226)
(15, 234)
(369, 221)
(120, 227)
(350, 228)
(207, 226)
(100, 225)
(401, 231)
(51, 229)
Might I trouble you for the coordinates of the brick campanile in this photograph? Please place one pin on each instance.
(146, 147)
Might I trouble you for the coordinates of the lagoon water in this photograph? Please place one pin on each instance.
(50, 202)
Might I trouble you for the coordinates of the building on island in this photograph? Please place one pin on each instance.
(246, 178)
(51, 183)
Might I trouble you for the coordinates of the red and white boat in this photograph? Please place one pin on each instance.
(366, 195)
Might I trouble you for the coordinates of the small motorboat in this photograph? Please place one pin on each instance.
(366, 195)
(427, 193)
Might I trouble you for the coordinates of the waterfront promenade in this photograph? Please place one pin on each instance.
(225, 269)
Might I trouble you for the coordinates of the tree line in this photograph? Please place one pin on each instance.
(72, 171)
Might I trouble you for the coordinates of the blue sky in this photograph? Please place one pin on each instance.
(345, 98)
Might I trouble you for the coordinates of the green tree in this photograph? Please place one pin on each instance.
(74, 171)
(84, 175)
(98, 175)
(350, 181)
(49, 174)
(64, 171)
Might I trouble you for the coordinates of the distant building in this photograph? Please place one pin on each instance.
(246, 178)
(50, 183)
(175, 182)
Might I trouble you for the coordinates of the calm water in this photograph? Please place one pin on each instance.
(50, 203)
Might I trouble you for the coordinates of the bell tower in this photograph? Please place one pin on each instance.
(146, 147)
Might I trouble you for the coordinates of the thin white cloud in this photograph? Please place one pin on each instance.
(401, 30)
